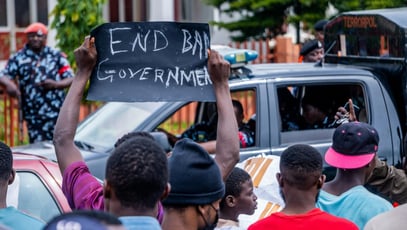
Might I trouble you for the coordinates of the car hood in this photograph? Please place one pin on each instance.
(47, 149)
(44, 148)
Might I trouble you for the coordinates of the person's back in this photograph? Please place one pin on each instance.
(15, 219)
(239, 199)
(357, 204)
(136, 179)
(10, 216)
(353, 153)
(319, 30)
(196, 188)
(394, 219)
(196, 178)
(136, 172)
(300, 180)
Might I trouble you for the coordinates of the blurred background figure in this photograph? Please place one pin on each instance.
(317, 111)
(311, 51)
(319, 30)
(42, 73)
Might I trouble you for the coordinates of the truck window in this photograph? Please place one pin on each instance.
(198, 120)
(305, 107)
(366, 35)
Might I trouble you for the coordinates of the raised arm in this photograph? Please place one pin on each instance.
(68, 118)
(227, 143)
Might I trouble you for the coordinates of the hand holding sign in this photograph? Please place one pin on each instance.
(85, 55)
(151, 61)
(218, 68)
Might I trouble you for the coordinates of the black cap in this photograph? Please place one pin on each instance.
(319, 26)
(354, 145)
(309, 46)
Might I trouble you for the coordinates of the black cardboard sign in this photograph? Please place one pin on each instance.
(151, 61)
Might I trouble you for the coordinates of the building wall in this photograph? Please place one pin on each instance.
(15, 15)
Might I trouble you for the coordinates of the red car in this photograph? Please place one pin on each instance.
(37, 187)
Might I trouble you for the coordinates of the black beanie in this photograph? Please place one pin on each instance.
(195, 178)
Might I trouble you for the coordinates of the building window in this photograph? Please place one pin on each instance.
(127, 10)
(3, 12)
(22, 13)
(42, 11)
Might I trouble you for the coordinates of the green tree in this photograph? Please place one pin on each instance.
(350, 5)
(257, 16)
(73, 20)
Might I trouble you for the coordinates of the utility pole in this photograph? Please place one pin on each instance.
(297, 11)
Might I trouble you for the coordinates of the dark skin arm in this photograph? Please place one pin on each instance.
(227, 145)
(66, 151)
(342, 112)
(52, 84)
(227, 149)
(10, 86)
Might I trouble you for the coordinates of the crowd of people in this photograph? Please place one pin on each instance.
(145, 188)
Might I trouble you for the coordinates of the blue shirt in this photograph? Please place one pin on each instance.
(140, 222)
(15, 219)
(357, 205)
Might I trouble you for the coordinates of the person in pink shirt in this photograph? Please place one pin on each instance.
(136, 172)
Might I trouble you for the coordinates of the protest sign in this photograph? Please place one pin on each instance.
(151, 61)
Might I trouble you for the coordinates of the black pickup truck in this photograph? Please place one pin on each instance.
(365, 62)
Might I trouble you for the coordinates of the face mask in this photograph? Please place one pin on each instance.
(213, 225)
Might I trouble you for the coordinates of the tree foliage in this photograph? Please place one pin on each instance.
(258, 16)
(349, 5)
(73, 20)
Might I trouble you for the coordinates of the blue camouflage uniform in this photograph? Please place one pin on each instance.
(40, 106)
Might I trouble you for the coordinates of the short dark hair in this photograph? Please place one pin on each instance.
(6, 161)
(233, 184)
(137, 170)
(301, 166)
(236, 104)
(127, 136)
